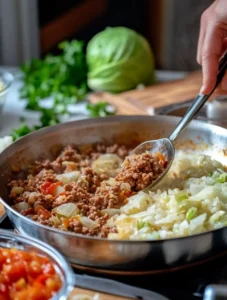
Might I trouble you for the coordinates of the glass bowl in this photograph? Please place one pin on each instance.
(6, 80)
(11, 240)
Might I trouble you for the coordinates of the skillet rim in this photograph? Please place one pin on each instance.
(93, 121)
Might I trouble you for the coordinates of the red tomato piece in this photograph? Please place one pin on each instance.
(42, 279)
(44, 188)
(16, 271)
(53, 187)
(27, 275)
(49, 187)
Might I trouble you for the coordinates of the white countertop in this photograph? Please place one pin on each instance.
(14, 107)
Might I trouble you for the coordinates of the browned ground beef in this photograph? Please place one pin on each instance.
(140, 170)
(92, 193)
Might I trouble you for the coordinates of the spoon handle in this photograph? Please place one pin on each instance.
(199, 101)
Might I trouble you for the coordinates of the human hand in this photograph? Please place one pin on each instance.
(212, 44)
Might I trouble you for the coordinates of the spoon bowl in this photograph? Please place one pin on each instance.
(164, 146)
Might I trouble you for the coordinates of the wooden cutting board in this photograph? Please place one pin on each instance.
(142, 102)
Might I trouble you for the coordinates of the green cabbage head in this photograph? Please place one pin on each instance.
(119, 59)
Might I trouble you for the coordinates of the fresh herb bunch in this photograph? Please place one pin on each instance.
(63, 76)
(48, 117)
(21, 131)
(64, 79)
(100, 109)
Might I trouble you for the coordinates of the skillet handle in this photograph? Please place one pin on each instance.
(215, 292)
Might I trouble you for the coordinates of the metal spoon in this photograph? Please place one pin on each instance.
(166, 145)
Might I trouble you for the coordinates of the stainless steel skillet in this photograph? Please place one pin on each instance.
(111, 256)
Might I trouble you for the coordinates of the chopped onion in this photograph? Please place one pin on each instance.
(32, 197)
(68, 177)
(105, 184)
(21, 206)
(17, 190)
(66, 210)
(108, 164)
(55, 220)
(125, 186)
(110, 211)
(59, 199)
(85, 221)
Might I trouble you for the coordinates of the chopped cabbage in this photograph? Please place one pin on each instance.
(191, 213)
(191, 199)
(136, 203)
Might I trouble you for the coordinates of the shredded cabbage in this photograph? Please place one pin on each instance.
(191, 199)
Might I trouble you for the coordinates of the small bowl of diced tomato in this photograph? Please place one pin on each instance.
(30, 269)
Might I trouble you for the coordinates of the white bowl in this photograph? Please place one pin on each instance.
(6, 79)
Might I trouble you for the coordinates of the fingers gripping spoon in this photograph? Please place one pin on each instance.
(166, 145)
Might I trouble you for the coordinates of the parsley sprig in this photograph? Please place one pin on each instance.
(62, 77)
(100, 109)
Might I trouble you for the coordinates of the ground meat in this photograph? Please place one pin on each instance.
(91, 193)
(69, 153)
(141, 170)
(92, 178)
(122, 151)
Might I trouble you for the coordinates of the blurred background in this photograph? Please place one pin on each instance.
(33, 28)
